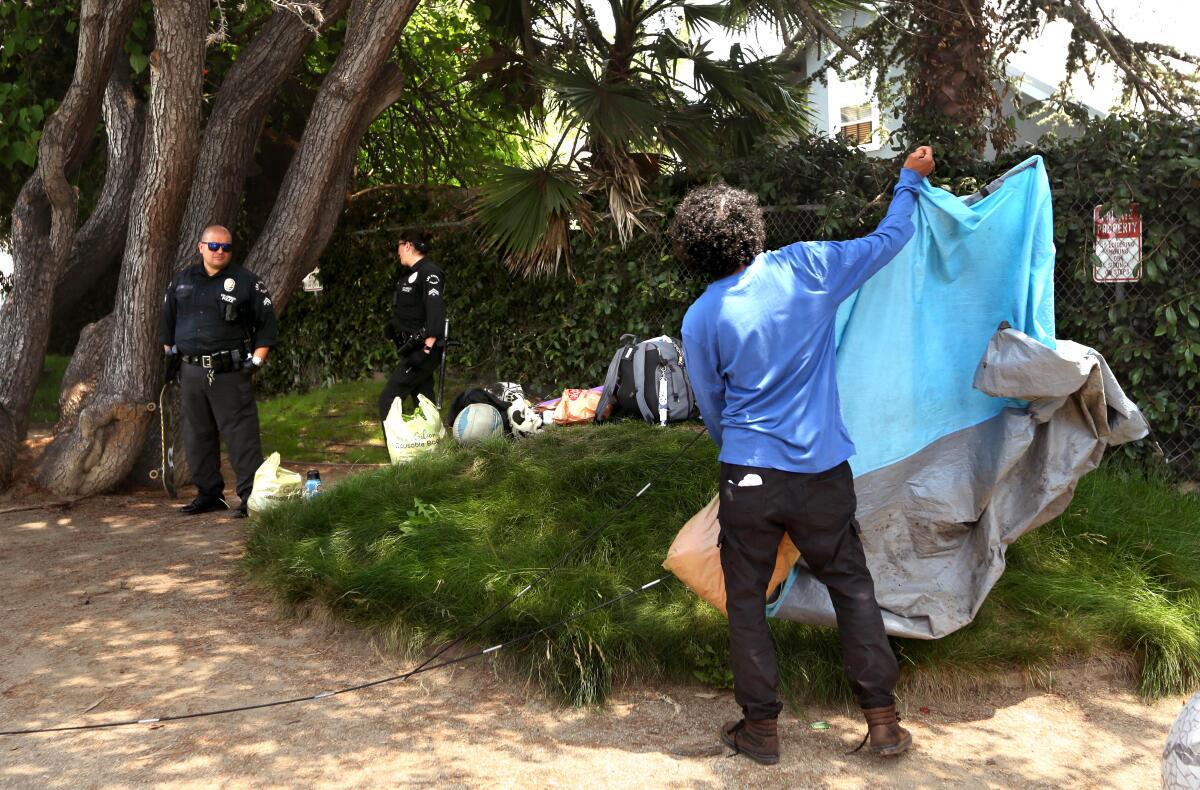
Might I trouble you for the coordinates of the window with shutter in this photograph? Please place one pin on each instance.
(856, 124)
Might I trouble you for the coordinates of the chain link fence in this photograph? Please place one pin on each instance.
(1119, 278)
(784, 225)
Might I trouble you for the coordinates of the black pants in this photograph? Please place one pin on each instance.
(223, 408)
(817, 511)
(409, 382)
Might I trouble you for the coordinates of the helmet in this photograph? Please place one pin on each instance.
(523, 420)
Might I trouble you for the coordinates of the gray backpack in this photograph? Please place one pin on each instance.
(648, 379)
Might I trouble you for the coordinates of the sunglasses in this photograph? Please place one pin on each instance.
(213, 246)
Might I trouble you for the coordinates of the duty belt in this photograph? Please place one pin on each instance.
(219, 362)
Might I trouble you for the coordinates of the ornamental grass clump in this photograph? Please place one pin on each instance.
(423, 551)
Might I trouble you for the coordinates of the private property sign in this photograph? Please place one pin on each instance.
(1117, 257)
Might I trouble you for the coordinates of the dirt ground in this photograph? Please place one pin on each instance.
(120, 608)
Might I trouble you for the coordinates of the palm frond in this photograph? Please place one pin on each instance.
(748, 87)
(698, 18)
(513, 75)
(525, 214)
(784, 15)
(624, 186)
(505, 18)
(527, 23)
(585, 16)
(688, 132)
(621, 113)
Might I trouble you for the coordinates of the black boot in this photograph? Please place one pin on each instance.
(204, 504)
(758, 739)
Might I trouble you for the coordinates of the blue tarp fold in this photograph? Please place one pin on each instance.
(910, 339)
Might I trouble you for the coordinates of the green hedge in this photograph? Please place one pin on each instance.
(548, 334)
(1148, 331)
(560, 332)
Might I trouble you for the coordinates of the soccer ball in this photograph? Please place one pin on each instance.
(477, 422)
(1181, 757)
(523, 420)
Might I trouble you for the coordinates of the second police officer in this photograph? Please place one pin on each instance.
(418, 323)
(219, 322)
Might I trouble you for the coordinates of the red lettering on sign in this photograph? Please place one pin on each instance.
(1117, 256)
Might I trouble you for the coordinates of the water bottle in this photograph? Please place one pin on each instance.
(312, 484)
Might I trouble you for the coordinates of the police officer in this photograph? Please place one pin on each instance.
(418, 323)
(219, 319)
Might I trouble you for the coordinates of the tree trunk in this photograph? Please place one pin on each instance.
(100, 241)
(83, 373)
(226, 153)
(952, 95)
(44, 219)
(102, 447)
(335, 126)
(235, 124)
(386, 91)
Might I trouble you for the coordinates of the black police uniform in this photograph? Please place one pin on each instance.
(418, 312)
(216, 323)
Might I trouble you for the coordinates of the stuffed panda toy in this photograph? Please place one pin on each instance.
(522, 419)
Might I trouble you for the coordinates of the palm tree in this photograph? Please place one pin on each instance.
(623, 107)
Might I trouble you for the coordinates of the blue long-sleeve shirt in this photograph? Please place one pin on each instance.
(760, 348)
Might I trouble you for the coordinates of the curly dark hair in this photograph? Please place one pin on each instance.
(716, 229)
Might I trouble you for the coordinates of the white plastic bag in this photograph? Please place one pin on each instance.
(273, 484)
(407, 436)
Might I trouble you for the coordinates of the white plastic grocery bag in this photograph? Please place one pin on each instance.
(273, 484)
(407, 436)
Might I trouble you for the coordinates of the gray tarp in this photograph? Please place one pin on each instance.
(935, 524)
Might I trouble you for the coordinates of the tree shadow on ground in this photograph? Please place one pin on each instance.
(121, 608)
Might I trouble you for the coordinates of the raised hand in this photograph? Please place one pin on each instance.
(920, 160)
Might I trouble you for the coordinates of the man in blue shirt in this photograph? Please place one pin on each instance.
(760, 354)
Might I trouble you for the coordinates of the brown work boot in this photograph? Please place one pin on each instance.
(758, 739)
(887, 737)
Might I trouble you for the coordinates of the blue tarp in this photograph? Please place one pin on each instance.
(969, 432)
(910, 339)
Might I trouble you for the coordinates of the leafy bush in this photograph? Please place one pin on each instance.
(548, 334)
(560, 332)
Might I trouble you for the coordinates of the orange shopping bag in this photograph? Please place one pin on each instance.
(695, 558)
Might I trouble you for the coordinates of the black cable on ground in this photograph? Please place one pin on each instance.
(325, 694)
(427, 665)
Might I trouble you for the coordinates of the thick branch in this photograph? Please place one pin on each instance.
(68, 130)
(1084, 19)
(101, 449)
(235, 124)
(44, 218)
(384, 93)
(813, 17)
(99, 243)
(335, 127)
